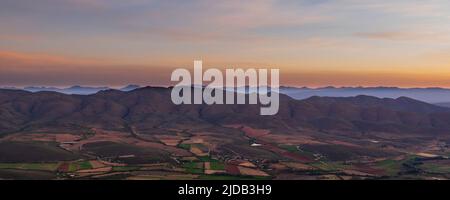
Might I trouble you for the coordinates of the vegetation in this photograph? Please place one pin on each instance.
(391, 167)
(193, 167)
(85, 165)
(185, 146)
(79, 165)
(30, 166)
(436, 168)
(206, 159)
(125, 168)
(217, 166)
(290, 148)
(329, 166)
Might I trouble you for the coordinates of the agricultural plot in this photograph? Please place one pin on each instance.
(436, 167)
(194, 167)
(30, 166)
(79, 165)
(390, 167)
(31, 152)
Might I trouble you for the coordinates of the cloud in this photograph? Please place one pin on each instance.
(224, 21)
(386, 35)
(405, 36)
(407, 8)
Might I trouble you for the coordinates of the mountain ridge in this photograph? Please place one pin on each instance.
(149, 109)
(433, 95)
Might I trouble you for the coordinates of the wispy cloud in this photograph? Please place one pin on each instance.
(410, 8)
(422, 36)
(220, 21)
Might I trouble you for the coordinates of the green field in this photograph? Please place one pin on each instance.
(206, 159)
(30, 166)
(290, 148)
(435, 168)
(79, 165)
(391, 167)
(125, 168)
(329, 166)
(193, 167)
(217, 166)
(185, 146)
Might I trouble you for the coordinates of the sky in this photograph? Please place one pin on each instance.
(404, 43)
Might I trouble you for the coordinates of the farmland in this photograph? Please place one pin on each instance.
(203, 154)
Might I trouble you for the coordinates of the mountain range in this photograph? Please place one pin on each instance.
(438, 96)
(82, 90)
(150, 108)
(429, 95)
(141, 134)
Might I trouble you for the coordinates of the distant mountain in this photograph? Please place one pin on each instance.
(80, 90)
(150, 109)
(129, 88)
(444, 104)
(10, 88)
(39, 89)
(429, 95)
(70, 90)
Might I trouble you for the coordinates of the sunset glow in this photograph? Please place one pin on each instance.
(313, 43)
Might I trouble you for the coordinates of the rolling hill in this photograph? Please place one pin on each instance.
(150, 108)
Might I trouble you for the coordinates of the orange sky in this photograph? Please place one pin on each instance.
(41, 69)
(313, 43)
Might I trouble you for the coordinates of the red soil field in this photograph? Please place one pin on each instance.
(296, 157)
(232, 169)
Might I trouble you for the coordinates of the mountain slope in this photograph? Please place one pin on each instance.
(429, 95)
(149, 110)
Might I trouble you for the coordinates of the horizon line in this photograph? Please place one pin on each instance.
(168, 86)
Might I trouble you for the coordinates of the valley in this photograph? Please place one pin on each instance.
(141, 135)
(205, 155)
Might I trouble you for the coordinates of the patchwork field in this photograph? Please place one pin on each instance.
(245, 153)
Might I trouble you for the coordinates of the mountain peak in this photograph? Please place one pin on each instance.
(130, 87)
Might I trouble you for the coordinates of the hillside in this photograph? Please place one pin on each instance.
(141, 134)
(149, 109)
